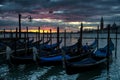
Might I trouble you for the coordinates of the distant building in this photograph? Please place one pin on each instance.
(113, 28)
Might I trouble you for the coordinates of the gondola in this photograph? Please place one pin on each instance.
(10, 43)
(48, 47)
(23, 42)
(41, 44)
(57, 58)
(50, 58)
(88, 63)
(17, 43)
(2, 47)
(85, 64)
(25, 55)
(101, 52)
(37, 42)
(42, 60)
(20, 56)
(72, 48)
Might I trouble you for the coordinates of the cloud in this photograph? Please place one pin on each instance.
(65, 10)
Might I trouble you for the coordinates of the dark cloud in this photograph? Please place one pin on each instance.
(66, 10)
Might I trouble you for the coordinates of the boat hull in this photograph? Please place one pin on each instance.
(74, 69)
(22, 60)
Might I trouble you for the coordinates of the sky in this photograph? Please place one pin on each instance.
(67, 14)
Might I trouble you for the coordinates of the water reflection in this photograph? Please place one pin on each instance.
(22, 72)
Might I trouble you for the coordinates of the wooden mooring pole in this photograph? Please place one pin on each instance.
(43, 36)
(47, 35)
(36, 36)
(11, 34)
(27, 34)
(79, 46)
(81, 33)
(19, 19)
(50, 36)
(38, 33)
(16, 35)
(58, 37)
(116, 37)
(4, 36)
(71, 36)
(108, 52)
(64, 37)
(98, 37)
(25, 39)
(16, 38)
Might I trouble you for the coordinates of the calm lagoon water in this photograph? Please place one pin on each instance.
(35, 72)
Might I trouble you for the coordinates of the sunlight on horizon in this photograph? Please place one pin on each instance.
(34, 31)
(53, 30)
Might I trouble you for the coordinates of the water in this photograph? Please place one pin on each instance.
(36, 72)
